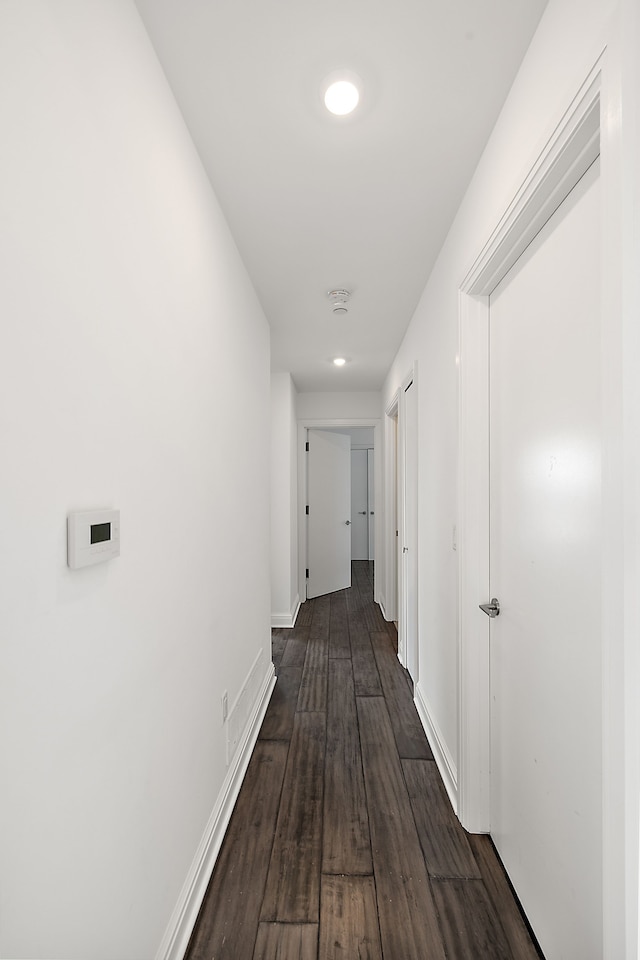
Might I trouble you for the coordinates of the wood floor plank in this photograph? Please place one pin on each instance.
(470, 925)
(521, 945)
(349, 928)
(408, 918)
(362, 578)
(278, 720)
(228, 920)
(336, 796)
(296, 648)
(365, 670)
(292, 891)
(286, 941)
(321, 617)
(445, 845)
(369, 611)
(278, 643)
(305, 614)
(339, 643)
(313, 687)
(409, 734)
(346, 846)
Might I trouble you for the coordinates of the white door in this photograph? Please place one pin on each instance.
(370, 503)
(359, 511)
(546, 675)
(408, 624)
(329, 522)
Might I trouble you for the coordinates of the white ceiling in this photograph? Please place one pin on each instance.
(317, 202)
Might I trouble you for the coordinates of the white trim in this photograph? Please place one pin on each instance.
(573, 147)
(326, 424)
(176, 938)
(287, 619)
(441, 755)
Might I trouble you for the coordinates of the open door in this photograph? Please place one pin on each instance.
(329, 521)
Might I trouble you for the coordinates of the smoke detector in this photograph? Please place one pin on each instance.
(339, 301)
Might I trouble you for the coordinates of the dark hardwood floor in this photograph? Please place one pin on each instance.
(343, 843)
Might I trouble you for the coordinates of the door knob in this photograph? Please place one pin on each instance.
(491, 609)
(362, 513)
(348, 522)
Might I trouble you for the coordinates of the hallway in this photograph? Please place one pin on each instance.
(343, 843)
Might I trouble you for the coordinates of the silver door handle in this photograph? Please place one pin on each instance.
(491, 609)
(348, 522)
(405, 549)
(362, 513)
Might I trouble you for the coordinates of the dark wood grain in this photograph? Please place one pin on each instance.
(362, 578)
(407, 729)
(228, 920)
(408, 919)
(321, 617)
(444, 841)
(343, 843)
(296, 648)
(305, 613)
(313, 686)
(349, 927)
(521, 945)
(279, 637)
(278, 721)
(293, 883)
(339, 644)
(346, 841)
(470, 925)
(365, 671)
(286, 941)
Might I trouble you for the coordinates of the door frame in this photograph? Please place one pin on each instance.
(389, 601)
(328, 424)
(395, 513)
(359, 449)
(582, 133)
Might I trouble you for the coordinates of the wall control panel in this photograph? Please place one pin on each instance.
(93, 536)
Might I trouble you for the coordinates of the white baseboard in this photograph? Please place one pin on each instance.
(176, 939)
(441, 755)
(286, 619)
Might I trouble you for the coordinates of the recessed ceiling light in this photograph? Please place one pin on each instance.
(339, 361)
(341, 97)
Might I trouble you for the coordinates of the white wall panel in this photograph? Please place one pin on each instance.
(134, 373)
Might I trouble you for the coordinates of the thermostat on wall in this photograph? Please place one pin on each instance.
(92, 537)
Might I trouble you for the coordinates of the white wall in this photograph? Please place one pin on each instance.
(339, 406)
(284, 501)
(134, 372)
(557, 62)
(361, 437)
(571, 35)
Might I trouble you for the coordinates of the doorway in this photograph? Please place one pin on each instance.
(483, 805)
(355, 428)
(545, 537)
(402, 520)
